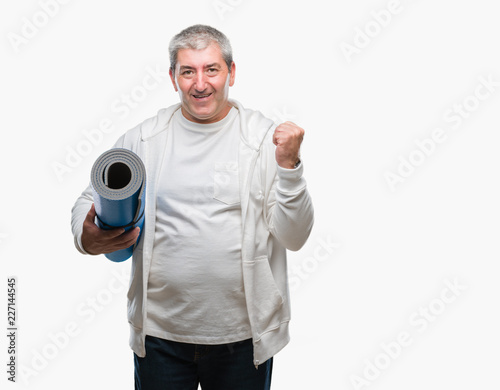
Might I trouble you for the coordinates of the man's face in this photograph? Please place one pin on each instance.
(203, 80)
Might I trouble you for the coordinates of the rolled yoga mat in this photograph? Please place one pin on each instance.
(118, 181)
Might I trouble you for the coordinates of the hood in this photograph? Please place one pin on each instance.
(254, 126)
(157, 124)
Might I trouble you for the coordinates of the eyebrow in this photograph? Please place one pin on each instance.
(187, 67)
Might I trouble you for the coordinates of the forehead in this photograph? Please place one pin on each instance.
(195, 58)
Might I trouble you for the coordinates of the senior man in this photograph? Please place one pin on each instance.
(208, 301)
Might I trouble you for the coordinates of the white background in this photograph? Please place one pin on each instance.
(395, 249)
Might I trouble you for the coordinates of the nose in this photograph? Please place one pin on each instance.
(200, 83)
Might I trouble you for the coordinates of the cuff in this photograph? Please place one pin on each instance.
(290, 180)
(79, 246)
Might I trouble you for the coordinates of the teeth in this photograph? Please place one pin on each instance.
(201, 96)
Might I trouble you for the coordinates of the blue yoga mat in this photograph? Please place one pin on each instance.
(118, 181)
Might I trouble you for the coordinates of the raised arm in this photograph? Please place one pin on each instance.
(291, 213)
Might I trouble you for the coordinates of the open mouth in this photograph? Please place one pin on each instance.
(202, 97)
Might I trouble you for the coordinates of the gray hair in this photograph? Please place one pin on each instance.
(199, 37)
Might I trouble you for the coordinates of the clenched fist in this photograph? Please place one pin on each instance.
(287, 138)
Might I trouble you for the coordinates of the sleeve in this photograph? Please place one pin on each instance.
(290, 210)
(81, 208)
(78, 214)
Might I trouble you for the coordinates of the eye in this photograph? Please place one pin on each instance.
(187, 72)
(212, 70)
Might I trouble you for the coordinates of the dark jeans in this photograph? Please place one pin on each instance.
(169, 365)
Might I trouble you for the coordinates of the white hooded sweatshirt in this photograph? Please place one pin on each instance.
(277, 214)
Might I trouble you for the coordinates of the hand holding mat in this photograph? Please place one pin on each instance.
(118, 181)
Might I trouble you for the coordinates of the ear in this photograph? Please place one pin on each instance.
(172, 77)
(233, 74)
